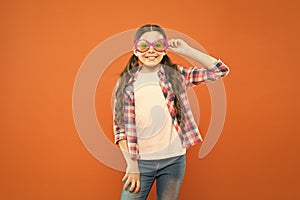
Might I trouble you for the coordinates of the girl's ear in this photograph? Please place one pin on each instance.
(135, 52)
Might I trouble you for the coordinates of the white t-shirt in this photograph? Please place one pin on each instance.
(157, 137)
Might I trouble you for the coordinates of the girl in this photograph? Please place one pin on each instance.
(153, 122)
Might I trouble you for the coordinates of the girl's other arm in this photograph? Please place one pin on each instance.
(132, 174)
(214, 68)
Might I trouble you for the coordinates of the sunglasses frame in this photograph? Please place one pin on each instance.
(151, 44)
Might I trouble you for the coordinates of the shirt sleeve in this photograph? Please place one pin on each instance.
(194, 75)
(119, 131)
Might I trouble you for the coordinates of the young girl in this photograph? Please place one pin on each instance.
(153, 122)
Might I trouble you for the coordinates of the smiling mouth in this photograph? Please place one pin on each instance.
(151, 57)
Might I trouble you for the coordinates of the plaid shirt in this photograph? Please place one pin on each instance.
(189, 133)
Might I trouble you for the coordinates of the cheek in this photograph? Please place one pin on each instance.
(161, 56)
(141, 57)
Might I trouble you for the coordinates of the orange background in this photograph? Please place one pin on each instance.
(43, 44)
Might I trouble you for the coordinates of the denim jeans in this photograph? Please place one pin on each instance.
(168, 174)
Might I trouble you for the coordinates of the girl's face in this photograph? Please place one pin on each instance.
(151, 58)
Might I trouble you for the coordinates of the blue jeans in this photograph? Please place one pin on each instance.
(168, 174)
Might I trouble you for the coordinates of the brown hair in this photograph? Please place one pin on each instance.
(172, 75)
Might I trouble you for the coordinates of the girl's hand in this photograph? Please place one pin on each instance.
(134, 179)
(178, 46)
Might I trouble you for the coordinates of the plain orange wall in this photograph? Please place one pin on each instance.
(43, 44)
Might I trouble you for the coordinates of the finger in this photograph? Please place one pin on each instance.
(132, 186)
(138, 186)
(124, 177)
(126, 184)
(171, 42)
(176, 43)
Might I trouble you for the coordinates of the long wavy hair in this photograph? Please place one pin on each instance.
(171, 71)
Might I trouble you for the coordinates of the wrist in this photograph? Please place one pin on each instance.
(132, 166)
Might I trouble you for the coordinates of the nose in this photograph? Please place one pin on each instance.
(151, 49)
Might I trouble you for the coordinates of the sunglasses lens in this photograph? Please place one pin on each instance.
(142, 46)
(160, 45)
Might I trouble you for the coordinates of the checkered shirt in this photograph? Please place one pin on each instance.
(189, 133)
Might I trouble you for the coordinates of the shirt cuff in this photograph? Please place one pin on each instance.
(120, 136)
(215, 65)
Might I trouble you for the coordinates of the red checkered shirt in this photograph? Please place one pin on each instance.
(189, 134)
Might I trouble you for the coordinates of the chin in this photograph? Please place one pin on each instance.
(151, 64)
